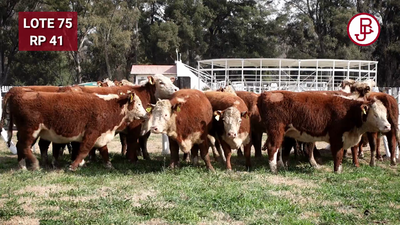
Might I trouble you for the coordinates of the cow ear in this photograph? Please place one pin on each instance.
(217, 115)
(172, 79)
(150, 108)
(131, 97)
(176, 107)
(151, 80)
(99, 84)
(244, 114)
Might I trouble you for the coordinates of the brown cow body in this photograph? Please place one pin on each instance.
(186, 124)
(64, 117)
(224, 101)
(257, 130)
(309, 117)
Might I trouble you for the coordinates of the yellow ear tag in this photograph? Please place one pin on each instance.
(178, 109)
(148, 109)
(247, 116)
(217, 117)
(365, 113)
(151, 81)
(131, 98)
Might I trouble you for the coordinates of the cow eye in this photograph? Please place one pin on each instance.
(240, 120)
(165, 115)
(162, 83)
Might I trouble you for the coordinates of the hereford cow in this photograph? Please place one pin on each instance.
(156, 87)
(309, 117)
(231, 124)
(187, 120)
(91, 119)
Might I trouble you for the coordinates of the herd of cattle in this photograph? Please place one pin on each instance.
(89, 118)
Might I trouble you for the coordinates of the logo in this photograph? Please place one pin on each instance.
(363, 29)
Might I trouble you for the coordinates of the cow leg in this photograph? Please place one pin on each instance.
(220, 151)
(104, 154)
(337, 153)
(287, 145)
(274, 142)
(187, 157)
(44, 147)
(391, 137)
(194, 155)
(122, 138)
(75, 150)
(69, 146)
(256, 139)
(228, 154)
(247, 155)
(92, 155)
(57, 151)
(310, 151)
(132, 147)
(24, 146)
(360, 151)
(372, 140)
(239, 152)
(378, 144)
(174, 150)
(143, 146)
(355, 156)
(204, 154)
(85, 146)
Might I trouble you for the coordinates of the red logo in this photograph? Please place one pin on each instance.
(363, 29)
(48, 31)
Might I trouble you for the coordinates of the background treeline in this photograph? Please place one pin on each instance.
(114, 35)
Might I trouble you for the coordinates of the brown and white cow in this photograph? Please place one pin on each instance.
(231, 124)
(186, 119)
(156, 87)
(309, 117)
(91, 119)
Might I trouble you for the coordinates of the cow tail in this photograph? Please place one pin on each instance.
(10, 130)
(4, 112)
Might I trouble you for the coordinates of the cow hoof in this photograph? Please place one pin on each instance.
(380, 158)
(372, 164)
(81, 164)
(108, 166)
(393, 163)
(361, 156)
(71, 168)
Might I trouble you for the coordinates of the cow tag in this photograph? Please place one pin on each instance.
(217, 117)
(148, 109)
(131, 98)
(364, 112)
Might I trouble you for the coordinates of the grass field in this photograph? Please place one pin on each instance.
(150, 193)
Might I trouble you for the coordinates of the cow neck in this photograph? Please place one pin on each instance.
(146, 93)
(172, 129)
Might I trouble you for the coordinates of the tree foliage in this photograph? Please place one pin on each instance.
(114, 35)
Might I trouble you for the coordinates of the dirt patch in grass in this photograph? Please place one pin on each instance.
(156, 221)
(222, 218)
(21, 221)
(27, 204)
(43, 191)
(294, 197)
(309, 215)
(300, 183)
(142, 195)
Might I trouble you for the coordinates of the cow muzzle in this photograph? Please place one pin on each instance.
(155, 129)
(232, 134)
(387, 127)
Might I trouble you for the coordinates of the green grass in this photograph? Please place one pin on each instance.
(150, 193)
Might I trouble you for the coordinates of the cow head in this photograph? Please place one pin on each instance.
(163, 85)
(232, 119)
(161, 114)
(374, 115)
(360, 88)
(135, 110)
(347, 84)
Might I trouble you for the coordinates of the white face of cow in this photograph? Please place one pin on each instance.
(232, 119)
(135, 109)
(377, 117)
(164, 86)
(160, 116)
(146, 125)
